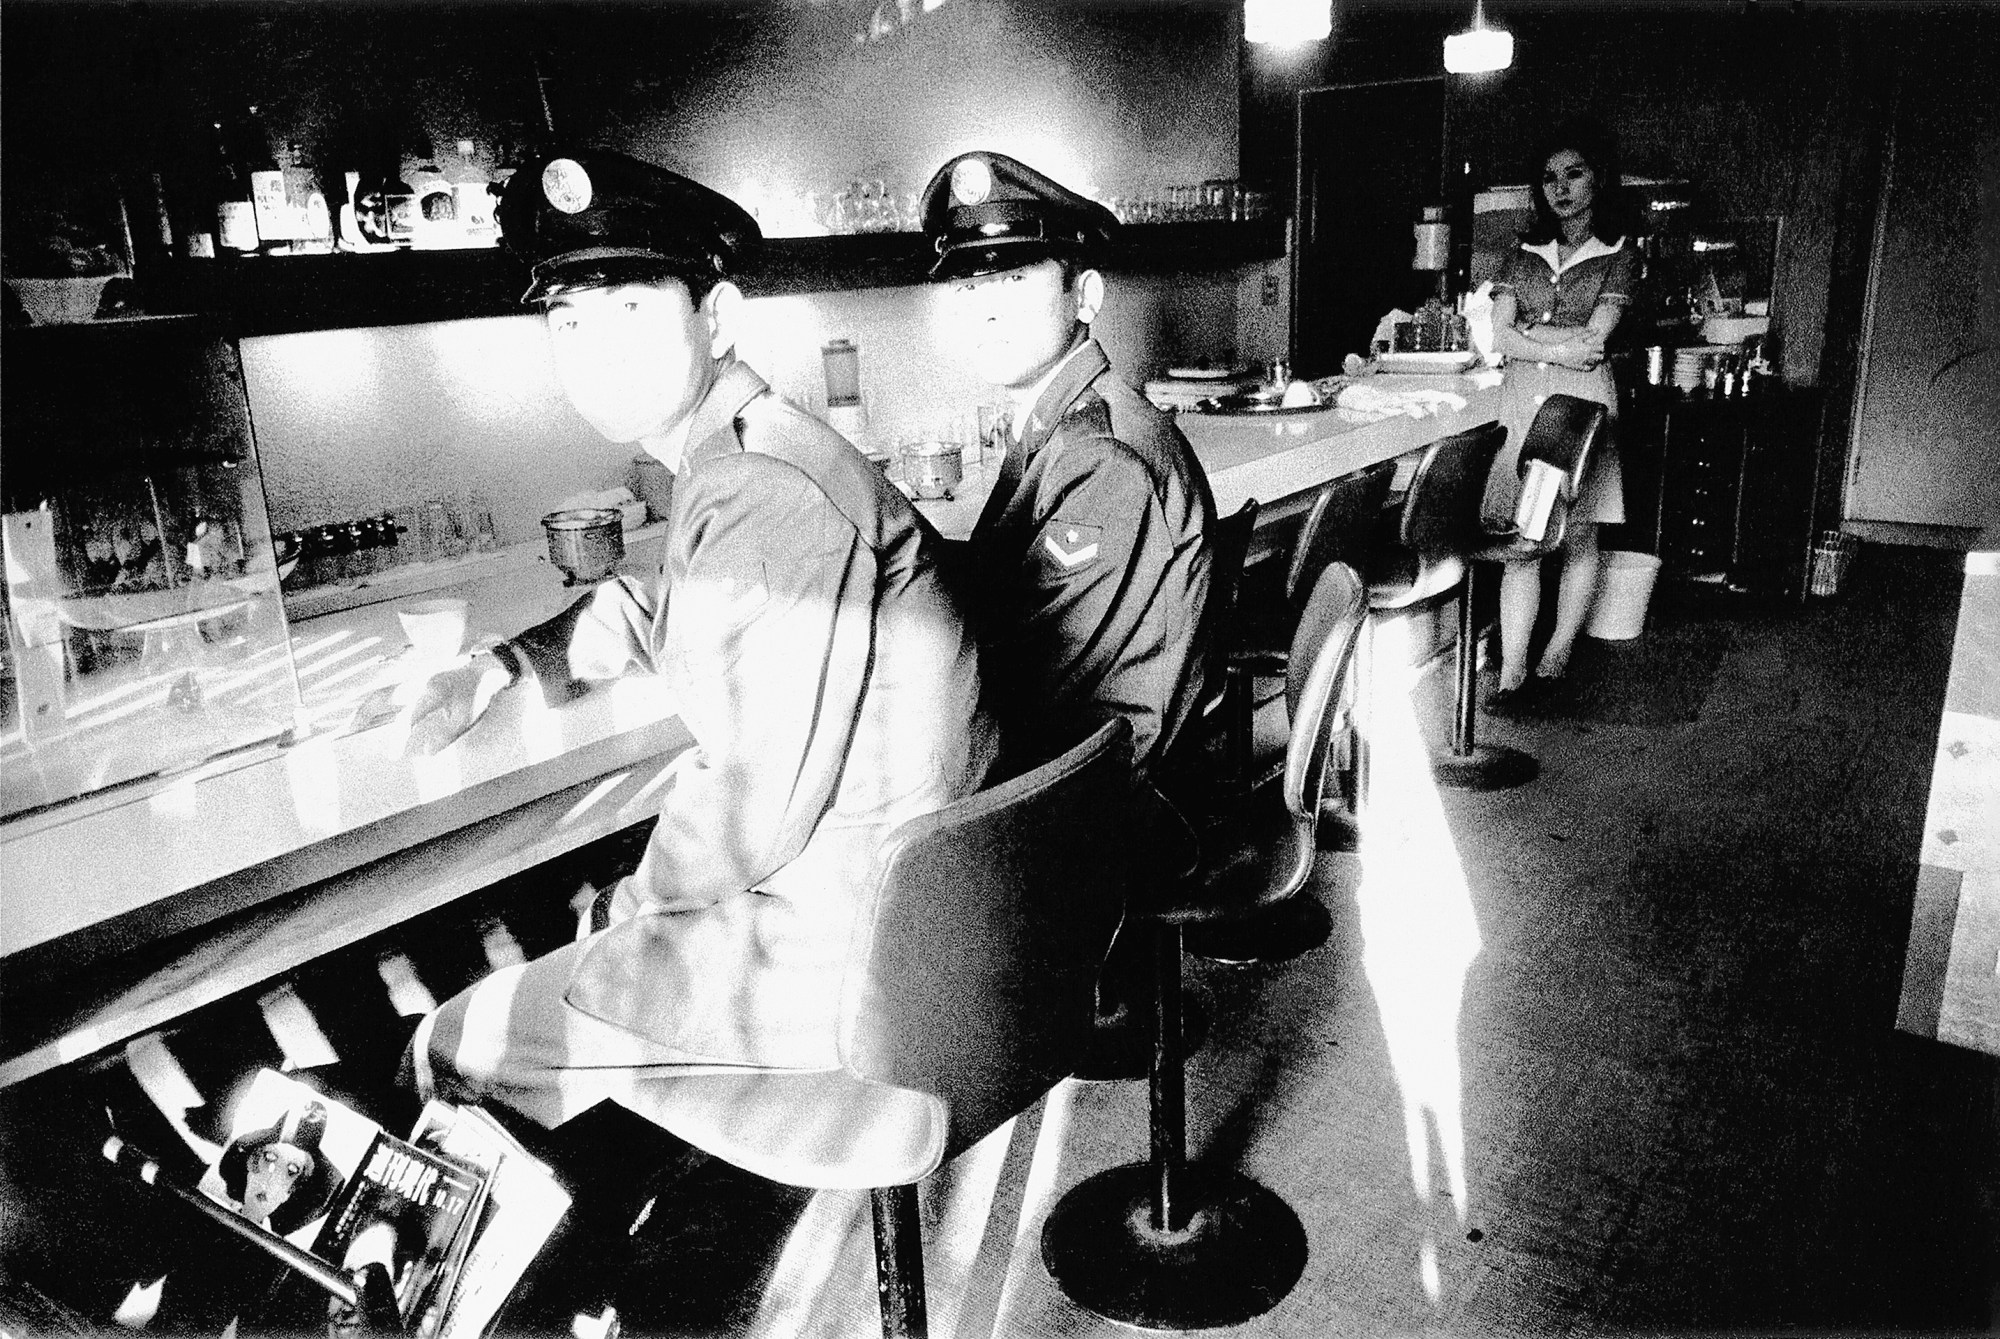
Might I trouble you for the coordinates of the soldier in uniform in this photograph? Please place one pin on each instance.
(1089, 564)
(824, 672)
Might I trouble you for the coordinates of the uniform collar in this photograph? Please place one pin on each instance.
(1591, 248)
(736, 385)
(1078, 368)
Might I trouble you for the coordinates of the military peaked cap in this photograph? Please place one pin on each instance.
(594, 218)
(985, 212)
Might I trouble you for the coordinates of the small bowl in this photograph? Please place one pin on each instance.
(66, 301)
(436, 628)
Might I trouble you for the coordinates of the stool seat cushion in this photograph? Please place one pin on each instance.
(1262, 661)
(822, 1129)
(1511, 549)
(1248, 861)
(1402, 581)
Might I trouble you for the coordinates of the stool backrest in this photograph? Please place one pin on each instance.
(1567, 431)
(1228, 547)
(971, 976)
(1338, 529)
(1441, 513)
(1321, 661)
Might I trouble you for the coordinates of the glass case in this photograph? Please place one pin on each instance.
(145, 633)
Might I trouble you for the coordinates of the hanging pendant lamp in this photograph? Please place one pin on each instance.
(1287, 22)
(1478, 49)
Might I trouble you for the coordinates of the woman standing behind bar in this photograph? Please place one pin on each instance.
(1555, 303)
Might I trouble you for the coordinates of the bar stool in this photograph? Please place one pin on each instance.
(1440, 533)
(1121, 1041)
(965, 1001)
(1161, 1244)
(1339, 529)
(1297, 925)
(1182, 771)
(1555, 455)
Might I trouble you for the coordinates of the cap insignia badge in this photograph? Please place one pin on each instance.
(971, 181)
(566, 185)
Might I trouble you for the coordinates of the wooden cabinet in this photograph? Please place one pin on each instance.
(1721, 488)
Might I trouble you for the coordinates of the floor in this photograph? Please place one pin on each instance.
(1636, 1020)
(1610, 1053)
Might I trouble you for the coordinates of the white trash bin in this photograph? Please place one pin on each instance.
(1624, 585)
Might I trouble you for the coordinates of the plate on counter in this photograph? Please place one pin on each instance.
(1208, 373)
(1433, 363)
(1251, 404)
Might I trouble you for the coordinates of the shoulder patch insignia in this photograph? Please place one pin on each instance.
(1070, 545)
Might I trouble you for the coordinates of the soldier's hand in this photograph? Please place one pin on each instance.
(449, 703)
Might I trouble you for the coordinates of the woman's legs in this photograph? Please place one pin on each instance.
(1520, 601)
(1573, 597)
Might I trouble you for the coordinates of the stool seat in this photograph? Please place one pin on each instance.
(1260, 858)
(1402, 579)
(967, 996)
(824, 1129)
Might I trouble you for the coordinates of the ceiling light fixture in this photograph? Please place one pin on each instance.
(1286, 22)
(1479, 48)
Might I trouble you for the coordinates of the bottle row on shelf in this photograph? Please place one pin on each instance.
(249, 195)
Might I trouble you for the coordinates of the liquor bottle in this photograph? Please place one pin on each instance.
(306, 200)
(471, 187)
(275, 228)
(434, 217)
(235, 209)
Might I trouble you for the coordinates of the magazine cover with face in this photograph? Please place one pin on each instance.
(290, 1151)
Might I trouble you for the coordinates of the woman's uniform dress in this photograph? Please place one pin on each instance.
(1562, 293)
(831, 688)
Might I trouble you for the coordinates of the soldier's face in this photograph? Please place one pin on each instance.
(635, 360)
(1011, 326)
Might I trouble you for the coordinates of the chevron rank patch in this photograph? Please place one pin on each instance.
(1070, 546)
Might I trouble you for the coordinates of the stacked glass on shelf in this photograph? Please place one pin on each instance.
(353, 550)
(1215, 200)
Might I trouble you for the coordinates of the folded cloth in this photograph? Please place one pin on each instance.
(1366, 402)
(1479, 322)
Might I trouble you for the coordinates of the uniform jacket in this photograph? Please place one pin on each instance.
(1089, 567)
(831, 689)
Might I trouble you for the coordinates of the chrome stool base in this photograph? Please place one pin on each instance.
(1238, 1256)
(1485, 767)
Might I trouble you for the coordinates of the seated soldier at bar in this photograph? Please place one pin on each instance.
(818, 661)
(1089, 564)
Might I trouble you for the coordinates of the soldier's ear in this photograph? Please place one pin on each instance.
(1089, 295)
(723, 310)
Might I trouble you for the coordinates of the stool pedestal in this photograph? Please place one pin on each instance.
(1467, 764)
(1160, 1244)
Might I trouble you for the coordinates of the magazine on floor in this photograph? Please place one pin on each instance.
(455, 1213)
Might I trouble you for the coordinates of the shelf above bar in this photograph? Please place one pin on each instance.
(273, 295)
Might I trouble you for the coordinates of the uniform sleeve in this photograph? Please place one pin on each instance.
(772, 623)
(603, 636)
(1082, 637)
(1621, 279)
(1508, 280)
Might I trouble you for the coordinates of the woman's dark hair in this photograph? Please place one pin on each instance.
(1611, 215)
(310, 1194)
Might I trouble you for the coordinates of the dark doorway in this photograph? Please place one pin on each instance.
(1370, 158)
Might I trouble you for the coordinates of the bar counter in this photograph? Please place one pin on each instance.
(289, 852)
